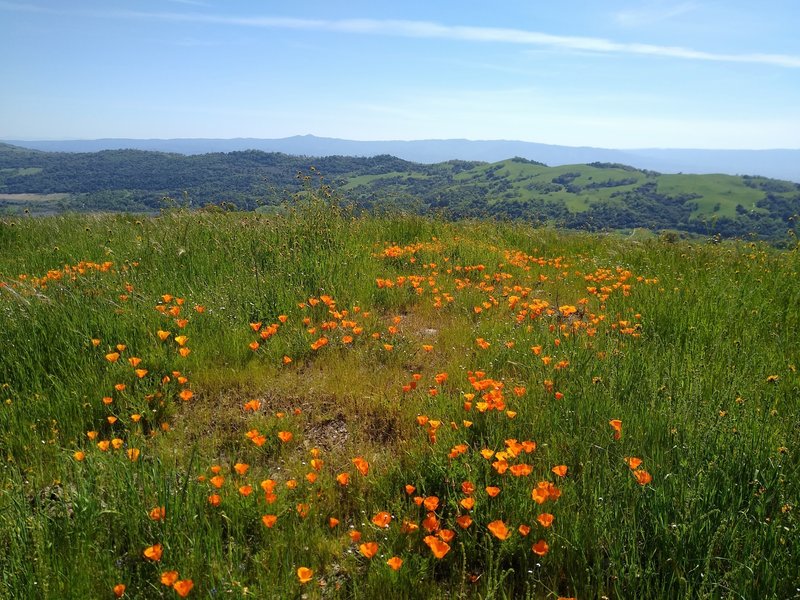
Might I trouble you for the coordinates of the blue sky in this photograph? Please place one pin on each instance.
(610, 73)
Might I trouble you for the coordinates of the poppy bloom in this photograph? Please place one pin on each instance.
(241, 468)
(633, 462)
(368, 549)
(133, 454)
(285, 436)
(333, 522)
(112, 357)
(215, 499)
(217, 481)
(269, 520)
(524, 530)
(355, 536)
(119, 590)
(410, 489)
(616, 425)
(499, 530)
(492, 491)
(163, 335)
(362, 465)
(560, 470)
(464, 521)
(437, 546)
(431, 502)
(153, 552)
(468, 503)
(169, 577)
(343, 479)
(545, 519)
(103, 445)
(395, 563)
(642, 477)
(79, 455)
(382, 519)
(186, 395)
(157, 514)
(304, 574)
(245, 490)
(540, 548)
(183, 587)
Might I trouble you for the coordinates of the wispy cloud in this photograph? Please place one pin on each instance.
(431, 30)
(654, 12)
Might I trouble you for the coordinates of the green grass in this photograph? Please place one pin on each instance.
(697, 358)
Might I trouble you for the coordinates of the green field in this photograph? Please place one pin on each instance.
(314, 403)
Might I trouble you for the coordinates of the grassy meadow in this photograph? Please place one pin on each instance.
(316, 404)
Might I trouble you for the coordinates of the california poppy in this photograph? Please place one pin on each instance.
(437, 546)
(560, 470)
(169, 577)
(362, 465)
(382, 519)
(395, 563)
(545, 519)
(540, 548)
(269, 520)
(183, 587)
(304, 574)
(499, 530)
(153, 552)
(368, 549)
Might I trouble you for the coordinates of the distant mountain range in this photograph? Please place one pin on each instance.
(780, 164)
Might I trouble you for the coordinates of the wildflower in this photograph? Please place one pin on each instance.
(285, 436)
(183, 587)
(157, 514)
(119, 590)
(437, 546)
(395, 563)
(163, 335)
(304, 574)
(186, 395)
(499, 530)
(492, 491)
(368, 549)
(245, 490)
(215, 499)
(112, 357)
(355, 536)
(103, 445)
(217, 481)
(333, 522)
(616, 425)
(642, 477)
(540, 548)
(382, 519)
(286, 360)
(241, 468)
(560, 470)
(169, 577)
(133, 454)
(79, 455)
(269, 520)
(253, 346)
(343, 479)
(464, 521)
(633, 462)
(524, 530)
(468, 503)
(362, 465)
(153, 552)
(545, 519)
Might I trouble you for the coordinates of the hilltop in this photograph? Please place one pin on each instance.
(595, 196)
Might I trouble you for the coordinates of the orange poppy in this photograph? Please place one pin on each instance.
(431, 502)
(169, 577)
(410, 489)
(241, 468)
(633, 462)
(499, 530)
(285, 436)
(437, 546)
(382, 519)
(304, 574)
(642, 477)
(355, 536)
(362, 465)
(464, 521)
(153, 552)
(245, 490)
(468, 503)
(215, 499)
(163, 335)
(183, 587)
(545, 519)
(119, 590)
(269, 520)
(217, 481)
(112, 357)
(560, 470)
(368, 549)
(616, 425)
(333, 522)
(395, 563)
(540, 548)
(157, 514)
(446, 534)
(492, 491)
(133, 454)
(343, 479)
(79, 455)
(524, 530)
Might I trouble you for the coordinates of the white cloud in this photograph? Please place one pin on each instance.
(430, 30)
(653, 12)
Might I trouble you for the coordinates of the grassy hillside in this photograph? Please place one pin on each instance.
(599, 196)
(316, 404)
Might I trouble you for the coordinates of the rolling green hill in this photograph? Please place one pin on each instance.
(596, 196)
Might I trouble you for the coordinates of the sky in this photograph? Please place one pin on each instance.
(610, 73)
